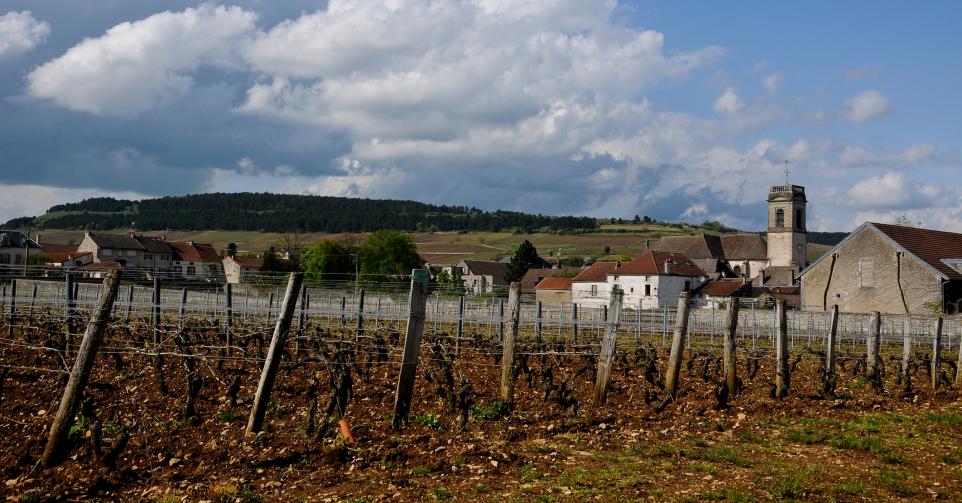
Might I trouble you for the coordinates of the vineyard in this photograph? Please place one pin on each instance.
(302, 392)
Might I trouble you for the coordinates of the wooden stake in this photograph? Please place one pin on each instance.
(417, 303)
(229, 316)
(730, 349)
(574, 324)
(906, 354)
(457, 341)
(269, 373)
(677, 345)
(360, 314)
(872, 358)
(608, 347)
(537, 323)
(507, 355)
(13, 307)
(80, 372)
(937, 355)
(831, 345)
(782, 377)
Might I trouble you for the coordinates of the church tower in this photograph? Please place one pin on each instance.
(787, 237)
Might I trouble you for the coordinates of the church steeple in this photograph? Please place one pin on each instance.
(787, 234)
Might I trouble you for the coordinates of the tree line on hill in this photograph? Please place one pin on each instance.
(288, 213)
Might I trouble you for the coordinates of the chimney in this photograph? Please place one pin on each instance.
(669, 266)
(647, 244)
(38, 238)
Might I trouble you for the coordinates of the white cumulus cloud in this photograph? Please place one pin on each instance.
(136, 66)
(20, 32)
(866, 106)
(728, 103)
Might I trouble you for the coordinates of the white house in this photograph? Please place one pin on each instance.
(656, 279)
(590, 288)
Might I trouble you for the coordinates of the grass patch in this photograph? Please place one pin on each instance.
(490, 412)
(753, 438)
(807, 436)
(850, 487)
(704, 468)
(230, 493)
(528, 472)
(722, 455)
(420, 470)
(952, 458)
(896, 482)
(432, 421)
(944, 418)
(440, 494)
(730, 495)
(228, 416)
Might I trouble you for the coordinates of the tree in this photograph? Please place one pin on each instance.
(328, 259)
(272, 262)
(905, 221)
(388, 253)
(231, 249)
(607, 250)
(524, 258)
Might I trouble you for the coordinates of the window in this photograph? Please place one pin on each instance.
(131, 253)
(594, 290)
(148, 256)
(687, 285)
(779, 218)
(191, 270)
(866, 272)
(4, 259)
(164, 258)
(107, 252)
(647, 290)
(799, 219)
(17, 259)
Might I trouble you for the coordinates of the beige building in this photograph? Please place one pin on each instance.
(481, 276)
(136, 254)
(553, 292)
(888, 268)
(242, 269)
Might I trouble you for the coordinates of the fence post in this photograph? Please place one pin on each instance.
(608, 347)
(417, 303)
(130, 303)
(155, 312)
(904, 373)
(730, 343)
(457, 341)
(360, 314)
(270, 308)
(68, 311)
(80, 371)
(343, 308)
(574, 324)
(782, 377)
(828, 386)
(507, 355)
(13, 307)
(183, 305)
(872, 358)
(677, 345)
(537, 322)
(937, 355)
(229, 316)
(958, 369)
(33, 299)
(501, 318)
(269, 373)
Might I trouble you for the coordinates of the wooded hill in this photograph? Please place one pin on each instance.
(288, 213)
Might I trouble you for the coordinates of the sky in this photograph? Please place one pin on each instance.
(677, 110)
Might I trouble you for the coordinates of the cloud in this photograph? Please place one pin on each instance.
(867, 106)
(728, 102)
(20, 33)
(137, 66)
(36, 199)
(892, 191)
(773, 81)
(852, 156)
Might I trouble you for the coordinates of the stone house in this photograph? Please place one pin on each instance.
(888, 268)
(707, 251)
(534, 276)
(553, 292)
(718, 293)
(482, 276)
(196, 261)
(138, 255)
(747, 254)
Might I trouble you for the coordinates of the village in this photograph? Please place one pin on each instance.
(889, 268)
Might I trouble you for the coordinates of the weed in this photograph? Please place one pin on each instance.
(228, 493)
(807, 436)
(747, 436)
(480, 488)
(228, 416)
(167, 498)
(704, 468)
(528, 472)
(440, 494)
(79, 427)
(944, 418)
(494, 410)
(731, 495)
(723, 455)
(952, 458)
(30, 497)
(851, 487)
(432, 421)
(420, 470)
(896, 482)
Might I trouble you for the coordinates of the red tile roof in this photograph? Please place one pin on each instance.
(725, 288)
(652, 263)
(60, 257)
(99, 266)
(597, 273)
(555, 284)
(195, 252)
(534, 276)
(49, 248)
(930, 246)
(249, 262)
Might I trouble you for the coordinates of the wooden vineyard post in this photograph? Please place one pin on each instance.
(508, 339)
(183, 305)
(829, 385)
(33, 300)
(677, 346)
(501, 318)
(229, 316)
(269, 373)
(937, 355)
(417, 304)
(574, 324)
(457, 341)
(80, 372)
(782, 377)
(68, 311)
(730, 355)
(537, 323)
(130, 304)
(270, 308)
(608, 347)
(958, 370)
(13, 308)
(872, 358)
(155, 312)
(360, 314)
(904, 370)
(301, 322)
(343, 309)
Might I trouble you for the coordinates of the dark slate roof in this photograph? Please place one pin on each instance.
(486, 268)
(121, 241)
(154, 245)
(701, 246)
(16, 239)
(745, 247)
(653, 263)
